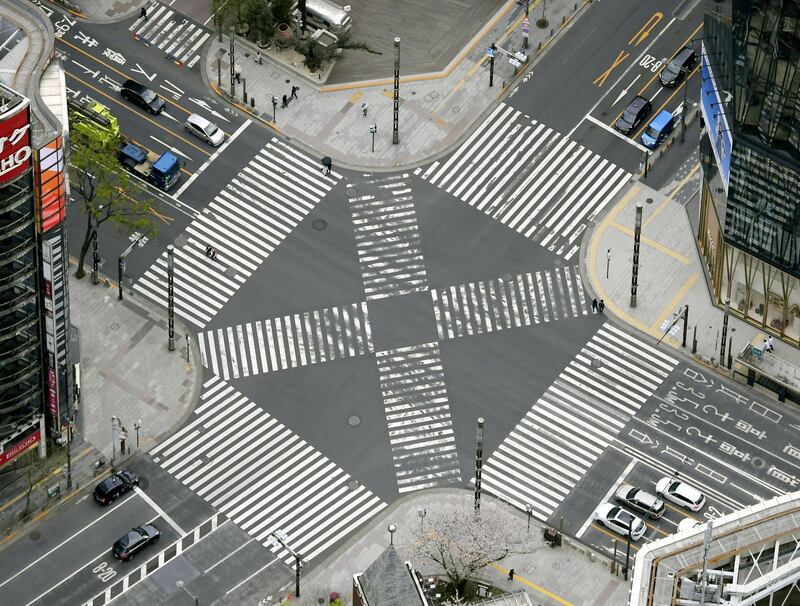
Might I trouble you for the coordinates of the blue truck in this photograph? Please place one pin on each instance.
(163, 171)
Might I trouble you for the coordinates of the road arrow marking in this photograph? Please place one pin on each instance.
(202, 103)
(171, 148)
(625, 90)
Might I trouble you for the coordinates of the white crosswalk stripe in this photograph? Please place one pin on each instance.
(299, 339)
(387, 236)
(178, 37)
(509, 302)
(530, 178)
(575, 420)
(245, 222)
(418, 417)
(262, 475)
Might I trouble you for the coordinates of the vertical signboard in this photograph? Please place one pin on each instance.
(51, 192)
(51, 341)
(713, 107)
(15, 144)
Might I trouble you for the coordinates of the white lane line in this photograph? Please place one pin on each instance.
(235, 587)
(158, 510)
(616, 133)
(625, 73)
(213, 157)
(242, 546)
(65, 541)
(611, 491)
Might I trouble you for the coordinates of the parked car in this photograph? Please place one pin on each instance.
(619, 520)
(142, 96)
(633, 115)
(658, 130)
(680, 493)
(131, 543)
(640, 501)
(676, 69)
(204, 129)
(107, 491)
(687, 524)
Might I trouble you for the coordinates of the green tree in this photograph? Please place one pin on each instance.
(259, 17)
(282, 11)
(227, 13)
(103, 187)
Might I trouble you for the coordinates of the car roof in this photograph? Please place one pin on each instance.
(661, 120)
(637, 103)
(199, 120)
(690, 492)
(683, 54)
(134, 85)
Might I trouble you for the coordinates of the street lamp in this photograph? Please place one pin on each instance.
(274, 107)
(182, 585)
(137, 424)
(113, 437)
(608, 261)
(281, 537)
(392, 529)
(422, 513)
(529, 509)
(373, 129)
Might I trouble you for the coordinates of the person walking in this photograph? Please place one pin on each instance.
(285, 103)
(143, 13)
(208, 251)
(259, 59)
(594, 306)
(213, 254)
(294, 91)
(511, 575)
(601, 306)
(364, 109)
(770, 344)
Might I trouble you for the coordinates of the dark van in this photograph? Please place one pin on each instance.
(112, 487)
(658, 129)
(676, 70)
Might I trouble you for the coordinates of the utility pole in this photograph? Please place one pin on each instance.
(233, 67)
(704, 573)
(724, 340)
(529, 510)
(170, 300)
(683, 110)
(608, 261)
(627, 551)
(637, 237)
(491, 52)
(396, 97)
(113, 438)
(121, 263)
(685, 322)
(282, 538)
(478, 465)
(95, 259)
(274, 107)
(373, 129)
(137, 425)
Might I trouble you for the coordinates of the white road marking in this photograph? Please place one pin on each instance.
(611, 491)
(171, 148)
(158, 510)
(242, 546)
(213, 157)
(235, 587)
(616, 133)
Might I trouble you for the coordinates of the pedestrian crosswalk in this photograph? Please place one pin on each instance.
(178, 37)
(575, 420)
(245, 222)
(290, 341)
(418, 417)
(263, 476)
(509, 302)
(387, 236)
(530, 178)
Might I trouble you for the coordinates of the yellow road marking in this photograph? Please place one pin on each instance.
(601, 79)
(685, 180)
(668, 99)
(673, 305)
(645, 31)
(614, 535)
(533, 586)
(653, 244)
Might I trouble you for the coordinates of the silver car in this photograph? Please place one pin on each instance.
(205, 130)
(619, 520)
(640, 501)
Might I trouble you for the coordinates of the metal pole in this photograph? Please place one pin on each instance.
(297, 575)
(491, 65)
(219, 66)
(233, 67)
(188, 346)
(683, 111)
(121, 271)
(529, 509)
(730, 353)
(478, 465)
(637, 237)
(95, 259)
(694, 339)
(608, 261)
(627, 552)
(69, 454)
(244, 90)
(274, 107)
(396, 98)
(113, 438)
(171, 295)
(685, 323)
(645, 164)
(724, 340)
(614, 561)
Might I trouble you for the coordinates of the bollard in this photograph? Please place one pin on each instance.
(244, 90)
(694, 340)
(253, 102)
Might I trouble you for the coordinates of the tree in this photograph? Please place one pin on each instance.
(102, 187)
(34, 472)
(463, 542)
(227, 13)
(259, 18)
(281, 10)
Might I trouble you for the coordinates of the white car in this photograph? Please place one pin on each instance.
(205, 130)
(687, 524)
(680, 493)
(619, 520)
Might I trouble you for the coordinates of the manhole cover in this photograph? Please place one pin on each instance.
(758, 462)
(649, 201)
(354, 421)
(114, 326)
(556, 565)
(230, 272)
(319, 224)
(144, 483)
(352, 485)
(35, 535)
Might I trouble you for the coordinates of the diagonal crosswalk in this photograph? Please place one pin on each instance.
(575, 420)
(418, 417)
(180, 38)
(387, 236)
(530, 178)
(509, 302)
(245, 222)
(263, 476)
(299, 339)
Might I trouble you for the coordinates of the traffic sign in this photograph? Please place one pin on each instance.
(490, 52)
(514, 62)
(526, 25)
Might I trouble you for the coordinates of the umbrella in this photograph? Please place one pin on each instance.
(327, 162)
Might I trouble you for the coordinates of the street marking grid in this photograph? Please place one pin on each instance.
(179, 37)
(245, 222)
(387, 236)
(175, 549)
(530, 178)
(418, 417)
(573, 423)
(286, 342)
(263, 476)
(509, 302)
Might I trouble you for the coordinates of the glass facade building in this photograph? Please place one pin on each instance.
(749, 229)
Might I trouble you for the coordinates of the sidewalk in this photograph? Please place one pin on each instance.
(561, 576)
(128, 371)
(436, 109)
(670, 273)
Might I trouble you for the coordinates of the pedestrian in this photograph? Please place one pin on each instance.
(259, 60)
(143, 13)
(213, 254)
(770, 344)
(511, 575)
(364, 109)
(208, 251)
(294, 91)
(594, 306)
(601, 306)
(237, 70)
(285, 102)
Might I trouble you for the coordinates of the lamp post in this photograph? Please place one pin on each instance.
(281, 537)
(136, 426)
(422, 513)
(182, 585)
(373, 129)
(274, 107)
(529, 509)
(608, 262)
(392, 529)
(628, 550)
(113, 438)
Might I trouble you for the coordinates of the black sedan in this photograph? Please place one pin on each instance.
(633, 115)
(113, 486)
(131, 543)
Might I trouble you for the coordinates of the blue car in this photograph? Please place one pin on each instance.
(658, 130)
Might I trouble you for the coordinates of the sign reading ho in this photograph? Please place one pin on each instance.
(15, 144)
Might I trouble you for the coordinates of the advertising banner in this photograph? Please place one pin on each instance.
(15, 143)
(712, 104)
(11, 452)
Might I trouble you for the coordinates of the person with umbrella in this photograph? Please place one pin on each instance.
(327, 164)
